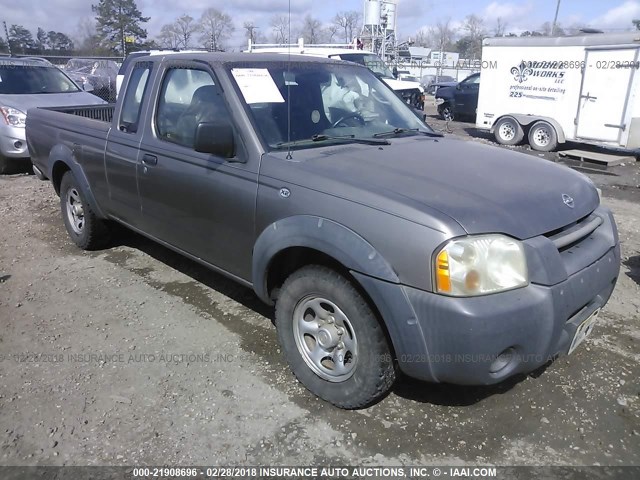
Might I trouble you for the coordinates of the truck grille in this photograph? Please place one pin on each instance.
(567, 237)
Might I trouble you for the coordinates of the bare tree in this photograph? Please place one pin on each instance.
(331, 32)
(500, 27)
(169, 36)
(474, 28)
(185, 26)
(422, 38)
(441, 35)
(215, 27)
(311, 30)
(280, 26)
(349, 22)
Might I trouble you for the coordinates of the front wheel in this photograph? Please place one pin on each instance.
(446, 112)
(332, 340)
(83, 226)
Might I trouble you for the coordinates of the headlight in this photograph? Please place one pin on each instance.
(480, 265)
(13, 117)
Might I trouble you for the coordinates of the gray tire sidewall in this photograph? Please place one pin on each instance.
(69, 182)
(441, 111)
(553, 137)
(372, 349)
(519, 132)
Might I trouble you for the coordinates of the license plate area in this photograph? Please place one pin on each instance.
(583, 331)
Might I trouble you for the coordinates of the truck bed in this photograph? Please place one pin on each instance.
(78, 129)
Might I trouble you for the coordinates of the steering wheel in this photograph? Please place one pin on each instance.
(357, 116)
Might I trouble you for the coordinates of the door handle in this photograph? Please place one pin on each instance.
(149, 159)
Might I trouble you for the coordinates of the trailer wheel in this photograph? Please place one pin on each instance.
(543, 137)
(508, 131)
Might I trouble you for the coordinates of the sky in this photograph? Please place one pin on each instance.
(519, 15)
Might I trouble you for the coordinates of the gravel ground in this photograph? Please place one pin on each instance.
(134, 355)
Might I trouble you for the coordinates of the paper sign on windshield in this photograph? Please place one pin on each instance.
(257, 85)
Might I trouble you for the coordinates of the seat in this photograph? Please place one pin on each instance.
(306, 109)
(206, 105)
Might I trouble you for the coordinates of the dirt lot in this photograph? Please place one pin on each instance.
(134, 355)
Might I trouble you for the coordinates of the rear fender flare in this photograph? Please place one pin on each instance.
(62, 154)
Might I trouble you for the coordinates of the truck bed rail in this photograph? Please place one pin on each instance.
(103, 113)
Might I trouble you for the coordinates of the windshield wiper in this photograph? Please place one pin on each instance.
(353, 138)
(399, 131)
(344, 138)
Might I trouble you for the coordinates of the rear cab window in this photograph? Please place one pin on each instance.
(136, 91)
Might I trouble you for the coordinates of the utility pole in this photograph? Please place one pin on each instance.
(555, 19)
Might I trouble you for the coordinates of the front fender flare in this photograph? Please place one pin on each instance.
(326, 236)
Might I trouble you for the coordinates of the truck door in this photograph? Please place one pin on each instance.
(604, 93)
(197, 202)
(121, 155)
(466, 96)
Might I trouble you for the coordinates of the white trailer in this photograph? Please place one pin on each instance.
(552, 90)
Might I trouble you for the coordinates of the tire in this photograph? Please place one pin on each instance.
(446, 112)
(508, 131)
(5, 167)
(83, 226)
(543, 137)
(318, 306)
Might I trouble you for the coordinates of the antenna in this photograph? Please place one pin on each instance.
(288, 84)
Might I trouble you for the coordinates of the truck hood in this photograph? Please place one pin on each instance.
(25, 102)
(399, 85)
(484, 189)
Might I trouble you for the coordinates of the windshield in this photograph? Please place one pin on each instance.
(300, 105)
(30, 79)
(369, 60)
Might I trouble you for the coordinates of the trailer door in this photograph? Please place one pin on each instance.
(604, 93)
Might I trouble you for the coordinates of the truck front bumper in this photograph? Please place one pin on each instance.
(484, 340)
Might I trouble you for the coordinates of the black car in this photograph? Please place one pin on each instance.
(460, 100)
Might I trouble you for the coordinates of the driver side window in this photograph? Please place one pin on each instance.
(188, 97)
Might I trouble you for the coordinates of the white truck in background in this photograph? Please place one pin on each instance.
(552, 90)
(411, 92)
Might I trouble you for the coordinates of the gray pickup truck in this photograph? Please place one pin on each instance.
(383, 245)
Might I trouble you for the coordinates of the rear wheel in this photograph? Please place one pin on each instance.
(83, 226)
(508, 131)
(543, 137)
(332, 340)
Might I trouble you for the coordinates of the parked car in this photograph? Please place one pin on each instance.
(95, 76)
(384, 245)
(25, 84)
(442, 81)
(460, 100)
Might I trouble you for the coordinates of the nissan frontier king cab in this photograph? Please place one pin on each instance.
(383, 245)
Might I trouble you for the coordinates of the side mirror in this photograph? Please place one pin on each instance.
(395, 72)
(459, 86)
(215, 138)
(87, 87)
